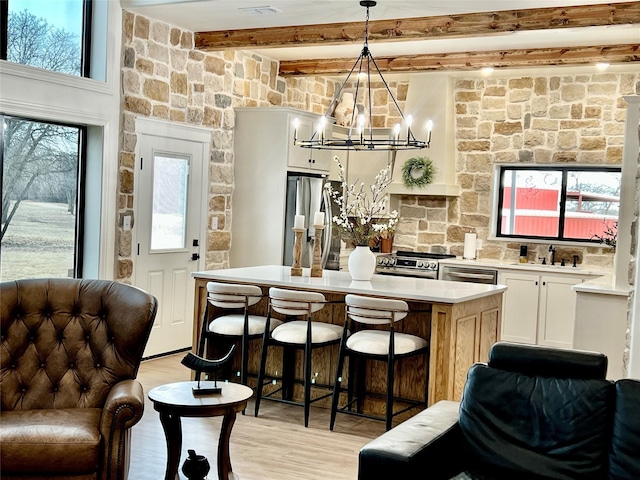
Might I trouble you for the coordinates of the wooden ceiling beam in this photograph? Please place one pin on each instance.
(472, 60)
(423, 28)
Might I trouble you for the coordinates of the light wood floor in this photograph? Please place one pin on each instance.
(273, 446)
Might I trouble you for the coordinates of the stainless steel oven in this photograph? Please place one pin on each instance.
(469, 274)
(410, 264)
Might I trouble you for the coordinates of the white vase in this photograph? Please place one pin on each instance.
(362, 263)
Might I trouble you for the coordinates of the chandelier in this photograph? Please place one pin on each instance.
(358, 132)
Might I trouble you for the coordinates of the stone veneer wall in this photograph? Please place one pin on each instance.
(163, 76)
(544, 119)
(566, 118)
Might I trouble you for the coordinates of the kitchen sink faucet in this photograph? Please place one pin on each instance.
(553, 254)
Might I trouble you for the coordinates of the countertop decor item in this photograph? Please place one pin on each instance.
(362, 217)
(345, 106)
(362, 263)
(418, 172)
(296, 269)
(316, 262)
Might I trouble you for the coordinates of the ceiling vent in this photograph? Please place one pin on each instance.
(264, 10)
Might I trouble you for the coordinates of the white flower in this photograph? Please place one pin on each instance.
(361, 217)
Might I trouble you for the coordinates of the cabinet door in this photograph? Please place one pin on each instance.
(321, 161)
(307, 159)
(520, 307)
(299, 158)
(557, 311)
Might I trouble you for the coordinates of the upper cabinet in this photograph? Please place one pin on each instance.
(305, 159)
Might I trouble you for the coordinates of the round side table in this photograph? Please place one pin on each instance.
(175, 400)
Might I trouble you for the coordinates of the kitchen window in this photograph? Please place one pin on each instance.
(558, 203)
(53, 35)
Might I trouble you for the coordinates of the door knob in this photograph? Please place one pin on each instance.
(195, 256)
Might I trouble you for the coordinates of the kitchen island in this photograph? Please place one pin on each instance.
(460, 320)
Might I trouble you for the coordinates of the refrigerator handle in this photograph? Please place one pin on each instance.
(328, 226)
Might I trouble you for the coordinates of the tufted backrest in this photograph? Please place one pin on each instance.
(66, 342)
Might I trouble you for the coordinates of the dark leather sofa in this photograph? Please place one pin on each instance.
(69, 355)
(531, 413)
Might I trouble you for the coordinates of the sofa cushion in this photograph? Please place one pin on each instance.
(44, 441)
(521, 426)
(624, 460)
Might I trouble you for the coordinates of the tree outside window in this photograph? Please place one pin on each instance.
(47, 34)
(40, 171)
(558, 203)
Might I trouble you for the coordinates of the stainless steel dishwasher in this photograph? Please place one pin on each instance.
(469, 274)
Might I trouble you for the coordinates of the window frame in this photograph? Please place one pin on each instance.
(563, 169)
(85, 40)
(81, 190)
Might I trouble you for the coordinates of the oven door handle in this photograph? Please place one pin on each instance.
(476, 276)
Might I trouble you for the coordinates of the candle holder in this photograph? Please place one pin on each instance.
(316, 265)
(296, 269)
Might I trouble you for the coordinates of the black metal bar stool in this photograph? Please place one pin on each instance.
(239, 326)
(364, 316)
(293, 334)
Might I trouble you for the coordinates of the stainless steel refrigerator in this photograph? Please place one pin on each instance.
(306, 195)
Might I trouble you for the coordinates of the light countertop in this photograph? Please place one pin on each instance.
(604, 285)
(405, 288)
(532, 267)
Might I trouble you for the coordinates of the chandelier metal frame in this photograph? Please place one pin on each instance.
(359, 137)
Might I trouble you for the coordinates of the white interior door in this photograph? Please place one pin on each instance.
(168, 235)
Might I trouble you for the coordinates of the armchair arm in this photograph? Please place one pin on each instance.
(417, 448)
(122, 410)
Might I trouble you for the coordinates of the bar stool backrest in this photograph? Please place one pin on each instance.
(226, 295)
(295, 302)
(375, 311)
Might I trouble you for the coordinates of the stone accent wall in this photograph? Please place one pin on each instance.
(547, 119)
(567, 118)
(164, 77)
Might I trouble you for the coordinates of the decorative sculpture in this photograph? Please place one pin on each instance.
(344, 109)
(199, 364)
(196, 466)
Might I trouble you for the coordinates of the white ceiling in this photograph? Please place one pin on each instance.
(212, 15)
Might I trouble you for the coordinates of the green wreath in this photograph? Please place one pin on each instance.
(417, 172)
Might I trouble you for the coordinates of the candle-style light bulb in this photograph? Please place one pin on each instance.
(396, 131)
(296, 124)
(361, 126)
(409, 121)
(429, 128)
(321, 126)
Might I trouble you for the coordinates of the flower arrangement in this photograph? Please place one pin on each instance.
(363, 218)
(388, 228)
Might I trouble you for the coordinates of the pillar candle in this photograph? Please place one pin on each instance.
(299, 221)
(319, 218)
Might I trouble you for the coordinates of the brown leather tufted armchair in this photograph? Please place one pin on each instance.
(69, 355)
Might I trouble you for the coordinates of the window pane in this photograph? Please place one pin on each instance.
(168, 221)
(593, 201)
(39, 190)
(46, 34)
(531, 202)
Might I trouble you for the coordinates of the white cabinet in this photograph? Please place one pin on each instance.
(263, 153)
(538, 309)
(306, 159)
